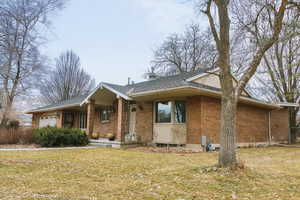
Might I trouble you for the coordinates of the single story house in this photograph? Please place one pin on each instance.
(175, 109)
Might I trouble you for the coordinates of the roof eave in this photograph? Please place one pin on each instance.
(218, 93)
(51, 109)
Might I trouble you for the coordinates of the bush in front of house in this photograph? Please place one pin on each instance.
(60, 137)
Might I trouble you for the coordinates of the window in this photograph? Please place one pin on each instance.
(180, 112)
(104, 115)
(82, 120)
(68, 120)
(163, 112)
(170, 112)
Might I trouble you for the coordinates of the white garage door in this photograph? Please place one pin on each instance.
(47, 121)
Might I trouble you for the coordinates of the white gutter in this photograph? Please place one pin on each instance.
(275, 106)
(287, 104)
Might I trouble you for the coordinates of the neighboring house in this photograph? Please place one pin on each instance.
(167, 110)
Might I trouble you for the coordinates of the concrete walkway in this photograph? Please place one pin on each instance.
(43, 148)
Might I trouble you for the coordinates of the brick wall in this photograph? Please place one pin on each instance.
(193, 109)
(252, 124)
(105, 128)
(203, 118)
(210, 118)
(279, 125)
(144, 121)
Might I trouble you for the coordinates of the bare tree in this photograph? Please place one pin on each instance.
(21, 22)
(281, 68)
(187, 52)
(228, 13)
(68, 80)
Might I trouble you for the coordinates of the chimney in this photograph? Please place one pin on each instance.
(152, 76)
(129, 80)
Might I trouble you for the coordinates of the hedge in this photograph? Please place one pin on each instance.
(60, 137)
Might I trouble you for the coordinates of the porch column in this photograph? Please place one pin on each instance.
(120, 120)
(35, 121)
(90, 117)
(59, 120)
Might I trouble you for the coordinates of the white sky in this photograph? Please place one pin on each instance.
(115, 38)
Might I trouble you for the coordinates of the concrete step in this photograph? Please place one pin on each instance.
(104, 141)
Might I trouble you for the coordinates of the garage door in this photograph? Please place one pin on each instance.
(47, 121)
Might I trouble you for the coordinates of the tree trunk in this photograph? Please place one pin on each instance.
(7, 111)
(227, 156)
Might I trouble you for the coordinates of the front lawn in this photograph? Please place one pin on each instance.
(271, 173)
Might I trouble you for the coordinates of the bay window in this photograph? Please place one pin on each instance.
(163, 112)
(170, 112)
(180, 112)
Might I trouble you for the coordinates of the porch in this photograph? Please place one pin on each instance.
(104, 117)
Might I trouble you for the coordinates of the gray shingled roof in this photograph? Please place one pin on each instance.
(76, 101)
(161, 83)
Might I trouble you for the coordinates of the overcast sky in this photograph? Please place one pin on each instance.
(115, 38)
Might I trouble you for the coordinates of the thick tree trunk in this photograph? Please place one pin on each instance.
(227, 156)
(6, 112)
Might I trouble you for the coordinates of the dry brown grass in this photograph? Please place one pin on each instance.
(270, 173)
(22, 135)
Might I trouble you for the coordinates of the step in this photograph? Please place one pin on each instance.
(104, 141)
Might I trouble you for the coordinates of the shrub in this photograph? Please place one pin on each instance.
(58, 137)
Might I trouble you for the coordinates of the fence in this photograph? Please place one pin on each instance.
(21, 135)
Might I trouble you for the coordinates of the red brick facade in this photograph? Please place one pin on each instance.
(203, 118)
(279, 124)
(104, 128)
(144, 122)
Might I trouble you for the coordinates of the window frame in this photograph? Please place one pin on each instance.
(107, 115)
(156, 112)
(82, 120)
(173, 112)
